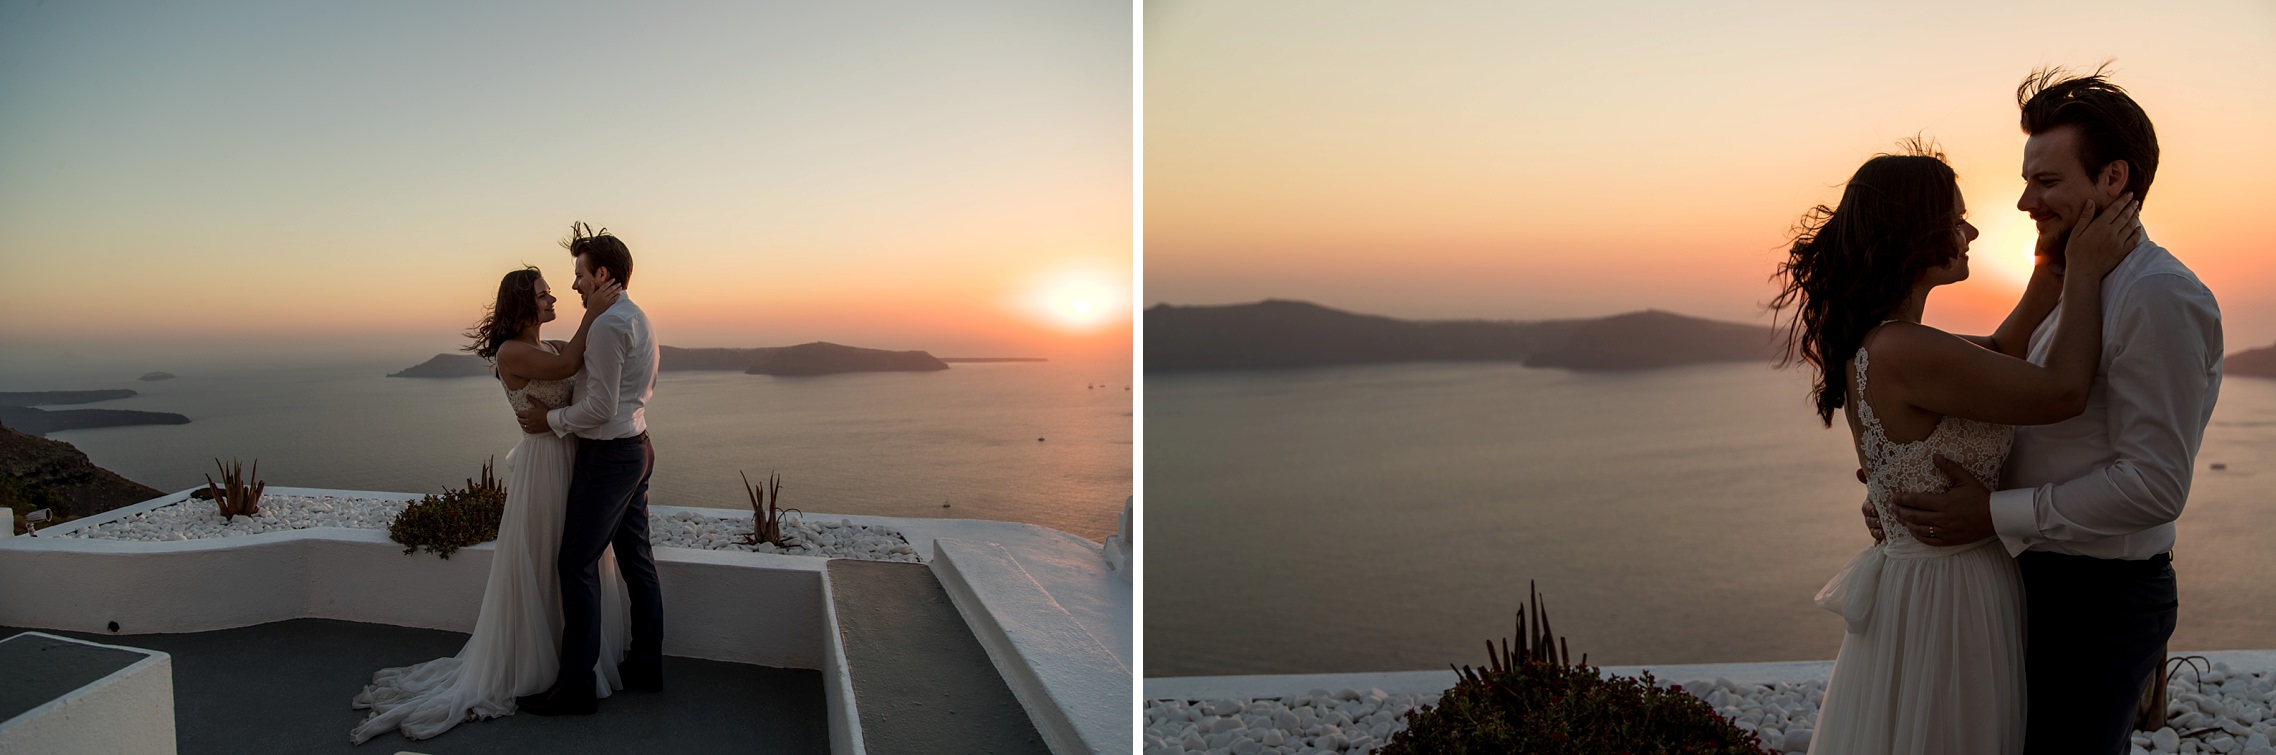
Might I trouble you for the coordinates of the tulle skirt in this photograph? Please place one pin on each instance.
(514, 649)
(1932, 661)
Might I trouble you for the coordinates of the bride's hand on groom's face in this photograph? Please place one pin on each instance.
(2104, 236)
(602, 298)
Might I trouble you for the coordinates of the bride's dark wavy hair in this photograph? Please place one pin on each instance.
(515, 309)
(1851, 266)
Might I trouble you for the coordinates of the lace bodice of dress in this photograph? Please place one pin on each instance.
(1892, 467)
(555, 393)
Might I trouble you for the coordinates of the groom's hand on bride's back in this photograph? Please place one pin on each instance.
(1872, 515)
(1959, 515)
(533, 417)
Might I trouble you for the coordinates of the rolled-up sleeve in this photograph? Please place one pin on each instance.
(605, 349)
(2161, 383)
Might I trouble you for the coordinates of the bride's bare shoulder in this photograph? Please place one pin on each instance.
(1898, 340)
(510, 359)
(1907, 352)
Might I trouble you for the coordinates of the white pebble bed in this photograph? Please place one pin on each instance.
(2230, 716)
(195, 520)
(1318, 721)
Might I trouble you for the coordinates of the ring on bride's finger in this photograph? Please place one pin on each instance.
(1931, 530)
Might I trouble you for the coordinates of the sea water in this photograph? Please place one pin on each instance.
(1391, 517)
(1043, 443)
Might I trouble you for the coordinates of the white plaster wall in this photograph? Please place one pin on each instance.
(755, 608)
(1074, 690)
(129, 712)
(844, 716)
(735, 606)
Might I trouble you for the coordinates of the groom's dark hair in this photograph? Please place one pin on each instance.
(601, 252)
(2111, 127)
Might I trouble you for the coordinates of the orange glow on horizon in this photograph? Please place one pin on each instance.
(1457, 160)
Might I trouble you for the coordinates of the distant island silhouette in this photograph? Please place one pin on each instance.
(157, 376)
(446, 366)
(16, 411)
(56, 398)
(2260, 362)
(1281, 333)
(817, 358)
(822, 358)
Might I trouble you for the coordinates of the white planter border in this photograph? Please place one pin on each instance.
(128, 711)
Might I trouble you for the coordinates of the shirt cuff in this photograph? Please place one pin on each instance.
(2015, 518)
(553, 422)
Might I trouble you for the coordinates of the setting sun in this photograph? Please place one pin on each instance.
(1076, 299)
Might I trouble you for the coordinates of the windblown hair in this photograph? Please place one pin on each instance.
(515, 309)
(2111, 127)
(601, 251)
(1850, 267)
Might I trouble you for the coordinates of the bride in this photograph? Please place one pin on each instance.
(513, 650)
(1932, 661)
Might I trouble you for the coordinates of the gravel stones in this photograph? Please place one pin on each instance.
(196, 520)
(1318, 721)
(2227, 712)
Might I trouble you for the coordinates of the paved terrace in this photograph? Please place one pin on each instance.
(1013, 638)
(284, 687)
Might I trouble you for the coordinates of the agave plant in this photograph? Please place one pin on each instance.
(766, 511)
(238, 493)
(1537, 646)
(490, 482)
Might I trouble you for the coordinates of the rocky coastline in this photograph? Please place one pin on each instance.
(35, 464)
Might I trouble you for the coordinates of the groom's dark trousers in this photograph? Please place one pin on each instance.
(608, 505)
(2096, 632)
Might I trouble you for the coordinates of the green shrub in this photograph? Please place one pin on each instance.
(458, 518)
(1532, 699)
(27, 497)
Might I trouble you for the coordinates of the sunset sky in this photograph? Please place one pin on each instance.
(906, 175)
(1535, 160)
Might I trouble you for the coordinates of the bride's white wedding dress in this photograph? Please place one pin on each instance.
(515, 646)
(1933, 658)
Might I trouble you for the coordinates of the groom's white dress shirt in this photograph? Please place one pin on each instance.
(620, 377)
(2108, 483)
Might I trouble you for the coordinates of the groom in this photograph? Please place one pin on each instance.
(2088, 504)
(608, 490)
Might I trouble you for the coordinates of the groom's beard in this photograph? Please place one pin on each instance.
(2051, 245)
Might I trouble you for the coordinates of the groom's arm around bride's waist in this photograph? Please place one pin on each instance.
(2162, 376)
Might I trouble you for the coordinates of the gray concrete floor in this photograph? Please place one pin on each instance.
(922, 682)
(284, 687)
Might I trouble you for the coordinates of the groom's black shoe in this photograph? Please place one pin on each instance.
(555, 703)
(641, 677)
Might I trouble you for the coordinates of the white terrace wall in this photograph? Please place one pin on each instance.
(742, 607)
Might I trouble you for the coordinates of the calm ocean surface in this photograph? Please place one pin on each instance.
(884, 444)
(1388, 518)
